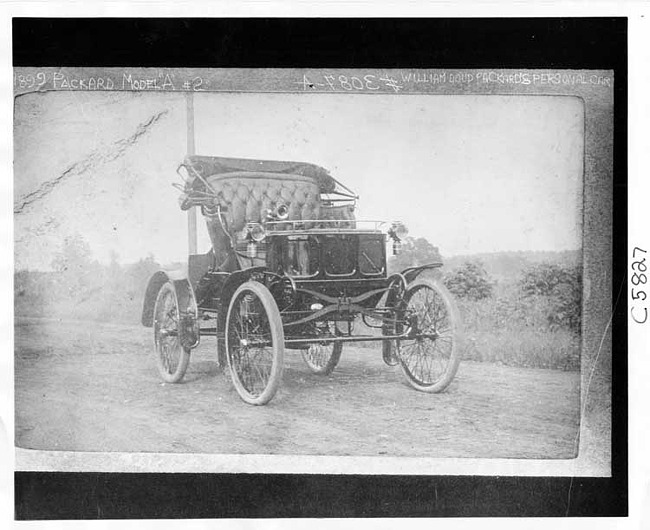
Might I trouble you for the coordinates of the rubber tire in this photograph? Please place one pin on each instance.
(328, 368)
(184, 359)
(277, 338)
(455, 321)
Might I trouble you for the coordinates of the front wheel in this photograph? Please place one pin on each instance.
(254, 343)
(171, 357)
(430, 359)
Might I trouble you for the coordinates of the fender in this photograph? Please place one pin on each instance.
(413, 272)
(232, 284)
(189, 328)
(397, 285)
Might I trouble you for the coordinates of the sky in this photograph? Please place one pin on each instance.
(472, 174)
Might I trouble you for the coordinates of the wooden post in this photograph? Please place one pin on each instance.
(191, 150)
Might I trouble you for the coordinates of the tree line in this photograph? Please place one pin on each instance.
(81, 287)
(555, 286)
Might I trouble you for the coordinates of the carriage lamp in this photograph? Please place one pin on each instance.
(397, 231)
(251, 249)
(256, 232)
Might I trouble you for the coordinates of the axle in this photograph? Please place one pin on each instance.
(365, 338)
(356, 338)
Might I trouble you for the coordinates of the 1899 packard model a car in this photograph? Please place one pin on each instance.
(291, 268)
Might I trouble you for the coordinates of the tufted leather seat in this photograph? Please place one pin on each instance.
(248, 197)
(248, 189)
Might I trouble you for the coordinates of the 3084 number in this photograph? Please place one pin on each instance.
(639, 280)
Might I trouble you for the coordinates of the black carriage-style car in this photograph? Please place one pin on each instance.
(290, 268)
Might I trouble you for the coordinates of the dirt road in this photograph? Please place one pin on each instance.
(94, 387)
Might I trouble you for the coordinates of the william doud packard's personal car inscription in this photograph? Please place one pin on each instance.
(343, 81)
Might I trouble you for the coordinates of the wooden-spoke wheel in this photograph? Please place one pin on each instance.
(254, 343)
(430, 359)
(171, 357)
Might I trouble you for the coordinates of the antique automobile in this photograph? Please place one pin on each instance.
(292, 270)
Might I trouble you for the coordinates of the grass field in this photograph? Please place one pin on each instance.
(513, 331)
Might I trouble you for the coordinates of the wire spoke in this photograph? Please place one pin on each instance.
(427, 359)
(249, 331)
(166, 332)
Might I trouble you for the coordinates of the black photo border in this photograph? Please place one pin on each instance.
(571, 43)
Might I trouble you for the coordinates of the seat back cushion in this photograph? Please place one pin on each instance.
(247, 199)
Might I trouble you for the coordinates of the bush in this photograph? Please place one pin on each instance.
(469, 281)
(506, 312)
(562, 286)
(81, 288)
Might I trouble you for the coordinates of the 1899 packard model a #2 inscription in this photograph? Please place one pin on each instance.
(292, 269)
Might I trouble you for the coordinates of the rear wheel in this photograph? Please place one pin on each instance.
(254, 343)
(172, 358)
(430, 359)
(322, 357)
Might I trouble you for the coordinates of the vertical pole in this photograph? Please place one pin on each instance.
(191, 150)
